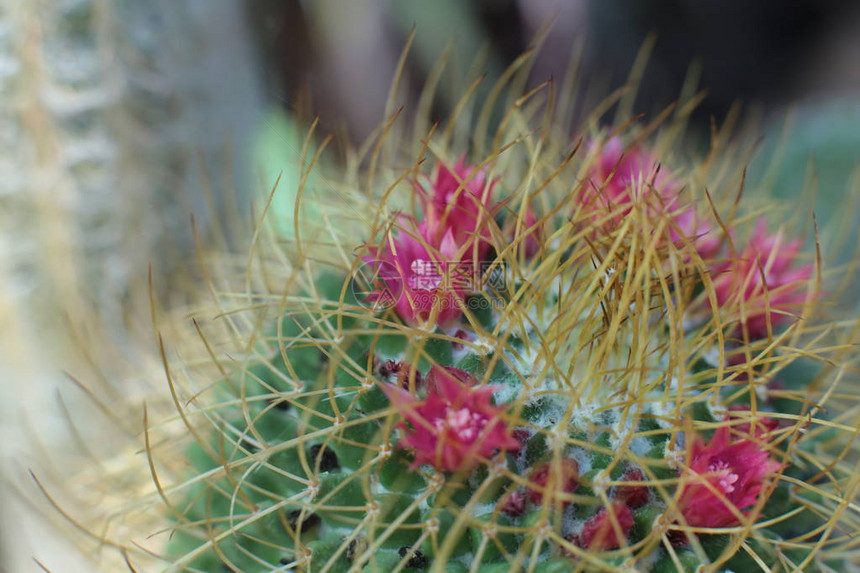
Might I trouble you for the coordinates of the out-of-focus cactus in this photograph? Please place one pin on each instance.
(557, 356)
(118, 119)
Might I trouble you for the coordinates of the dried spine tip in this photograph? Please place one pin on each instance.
(325, 457)
(417, 560)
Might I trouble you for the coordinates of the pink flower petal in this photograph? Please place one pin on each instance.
(725, 478)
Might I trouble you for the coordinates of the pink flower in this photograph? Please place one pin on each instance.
(417, 276)
(690, 228)
(460, 202)
(553, 476)
(423, 268)
(619, 178)
(764, 277)
(726, 478)
(455, 427)
(601, 531)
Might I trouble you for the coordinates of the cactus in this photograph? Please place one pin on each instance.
(115, 117)
(592, 390)
(560, 355)
(112, 122)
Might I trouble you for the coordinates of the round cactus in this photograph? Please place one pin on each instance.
(558, 355)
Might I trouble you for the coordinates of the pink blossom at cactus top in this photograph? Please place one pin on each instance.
(724, 478)
(455, 427)
(765, 274)
(423, 263)
(601, 533)
(418, 275)
(618, 176)
(460, 202)
(690, 227)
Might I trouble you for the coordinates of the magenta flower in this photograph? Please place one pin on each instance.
(455, 427)
(764, 279)
(601, 533)
(424, 268)
(690, 228)
(619, 178)
(417, 276)
(725, 479)
(460, 202)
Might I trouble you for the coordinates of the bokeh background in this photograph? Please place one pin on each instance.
(121, 118)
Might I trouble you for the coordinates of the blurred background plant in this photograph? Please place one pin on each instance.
(119, 118)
